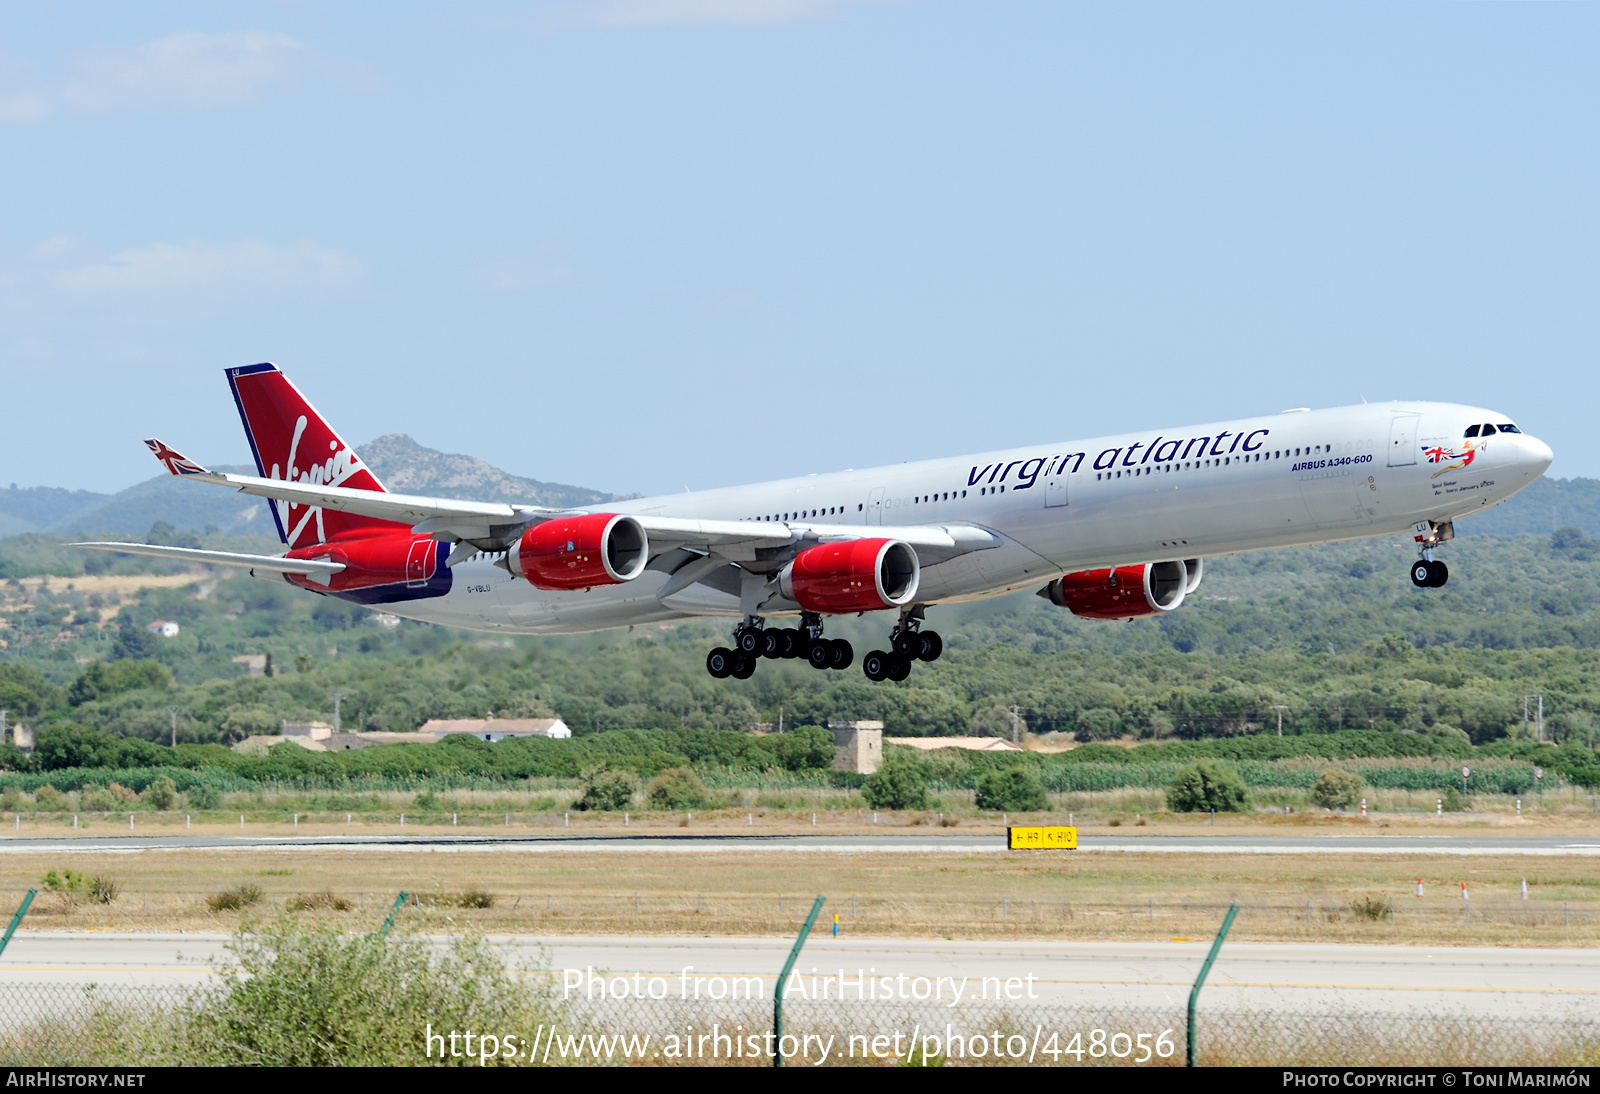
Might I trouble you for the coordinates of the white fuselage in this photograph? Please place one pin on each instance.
(1279, 481)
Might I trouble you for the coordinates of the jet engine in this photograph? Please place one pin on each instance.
(581, 552)
(858, 575)
(1125, 592)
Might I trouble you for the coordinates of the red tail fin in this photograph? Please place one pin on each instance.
(291, 441)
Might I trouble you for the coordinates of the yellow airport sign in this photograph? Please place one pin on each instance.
(1041, 837)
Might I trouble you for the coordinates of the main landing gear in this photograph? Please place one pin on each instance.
(753, 641)
(908, 642)
(1427, 572)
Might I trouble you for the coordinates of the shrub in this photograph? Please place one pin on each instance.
(323, 901)
(1016, 789)
(306, 994)
(121, 794)
(676, 789)
(1335, 789)
(1206, 785)
(898, 784)
(1372, 907)
(606, 789)
(235, 900)
(162, 793)
(1453, 801)
(203, 796)
(72, 885)
(96, 800)
(48, 797)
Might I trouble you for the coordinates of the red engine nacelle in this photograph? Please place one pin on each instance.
(581, 552)
(372, 560)
(858, 575)
(1125, 592)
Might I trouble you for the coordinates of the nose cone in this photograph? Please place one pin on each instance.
(1534, 456)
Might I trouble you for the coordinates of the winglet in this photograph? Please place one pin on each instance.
(176, 464)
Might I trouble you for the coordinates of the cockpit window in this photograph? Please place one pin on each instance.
(1488, 430)
(1507, 427)
(1472, 431)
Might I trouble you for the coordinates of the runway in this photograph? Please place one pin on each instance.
(1506, 983)
(898, 843)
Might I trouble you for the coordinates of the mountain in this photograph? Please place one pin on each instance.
(404, 466)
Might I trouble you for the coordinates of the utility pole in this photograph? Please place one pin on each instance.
(1016, 724)
(172, 712)
(1280, 708)
(337, 699)
(1533, 707)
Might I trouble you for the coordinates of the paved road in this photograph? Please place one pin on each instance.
(1256, 976)
(1329, 844)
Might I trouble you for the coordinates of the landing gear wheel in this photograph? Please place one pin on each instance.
(931, 645)
(719, 662)
(899, 668)
(908, 644)
(875, 665)
(771, 643)
(791, 643)
(744, 666)
(820, 654)
(843, 653)
(1422, 573)
(750, 641)
(1441, 574)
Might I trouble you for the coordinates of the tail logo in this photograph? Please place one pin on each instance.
(334, 471)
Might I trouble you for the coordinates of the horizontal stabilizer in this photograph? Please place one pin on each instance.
(273, 563)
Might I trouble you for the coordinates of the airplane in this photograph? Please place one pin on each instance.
(1112, 528)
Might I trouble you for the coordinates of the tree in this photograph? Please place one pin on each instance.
(606, 789)
(898, 784)
(1335, 789)
(1016, 789)
(1206, 785)
(676, 789)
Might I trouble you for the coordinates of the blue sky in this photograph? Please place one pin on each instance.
(642, 244)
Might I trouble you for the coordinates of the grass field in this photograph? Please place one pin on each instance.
(925, 894)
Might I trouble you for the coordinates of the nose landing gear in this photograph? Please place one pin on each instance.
(1426, 572)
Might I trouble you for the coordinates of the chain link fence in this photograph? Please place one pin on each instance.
(61, 1025)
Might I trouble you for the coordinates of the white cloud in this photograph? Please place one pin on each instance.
(189, 71)
(247, 265)
(656, 13)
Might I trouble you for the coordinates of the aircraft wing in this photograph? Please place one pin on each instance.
(274, 563)
(495, 525)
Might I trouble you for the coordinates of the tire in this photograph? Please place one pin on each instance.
(899, 668)
(744, 667)
(932, 646)
(1441, 574)
(908, 644)
(771, 643)
(1421, 573)
(791, 643)
(843, 654)
(820, 654)
(875, 665)
(750, 641)
(719, 662)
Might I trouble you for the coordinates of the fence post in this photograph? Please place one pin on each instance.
(777, 996)
(1194, 993)
(399, 902)
(16, 919)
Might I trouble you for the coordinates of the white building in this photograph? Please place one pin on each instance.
(498, 729)
(166, 628)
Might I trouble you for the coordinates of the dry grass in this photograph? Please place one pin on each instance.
(958, 894)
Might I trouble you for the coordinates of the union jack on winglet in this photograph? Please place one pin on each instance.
(177, 464)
